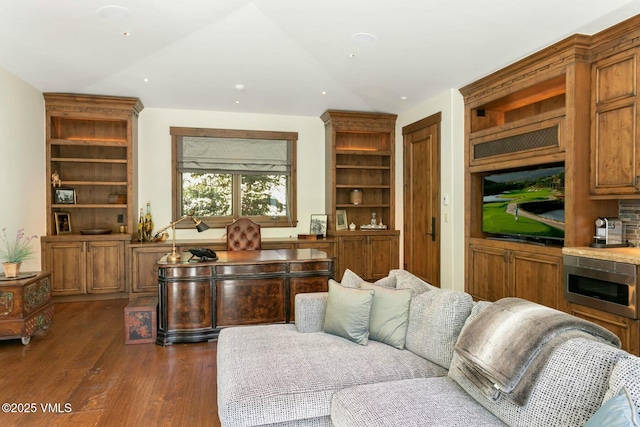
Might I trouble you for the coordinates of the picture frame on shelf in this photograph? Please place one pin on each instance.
(341, 220)
(64, 196)
(319, 224)
(63, 222)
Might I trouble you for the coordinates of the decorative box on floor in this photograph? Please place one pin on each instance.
(140, 320)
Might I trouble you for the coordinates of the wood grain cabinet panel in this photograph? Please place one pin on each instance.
(615, 143)
(499, 272)
(626, 329)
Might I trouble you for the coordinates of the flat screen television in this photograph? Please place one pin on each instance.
(525, 205)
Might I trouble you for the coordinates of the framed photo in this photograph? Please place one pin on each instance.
(341, 220)
(319, 225)
(63, 222)
(64, 196)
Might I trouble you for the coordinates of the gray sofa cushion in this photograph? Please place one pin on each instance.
(389, 315)
(626, 374)
(433, 402)
(273, 374)
(435, 320)
(568, 391)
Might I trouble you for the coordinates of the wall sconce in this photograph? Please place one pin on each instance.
(199, 225)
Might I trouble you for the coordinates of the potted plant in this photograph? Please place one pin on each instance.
(14, 251)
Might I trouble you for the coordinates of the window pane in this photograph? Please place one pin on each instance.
(207, 194)
(264, 195)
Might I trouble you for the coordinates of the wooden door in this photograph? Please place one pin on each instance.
(488, 272)
(422, 198)
(105, 266)
(66, 262)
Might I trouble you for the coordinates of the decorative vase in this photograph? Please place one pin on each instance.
(12, 269)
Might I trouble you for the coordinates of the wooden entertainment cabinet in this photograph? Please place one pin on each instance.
(574, 104)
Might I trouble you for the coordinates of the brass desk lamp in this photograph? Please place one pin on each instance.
(200, 226)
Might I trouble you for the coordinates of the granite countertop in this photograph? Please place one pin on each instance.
(629, 255)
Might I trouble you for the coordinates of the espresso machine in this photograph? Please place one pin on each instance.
(608, 233)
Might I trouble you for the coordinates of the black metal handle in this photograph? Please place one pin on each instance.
(433, 229)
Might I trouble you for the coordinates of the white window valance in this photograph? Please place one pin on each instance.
(234, 155)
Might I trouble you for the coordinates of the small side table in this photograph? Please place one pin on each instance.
(25, 305)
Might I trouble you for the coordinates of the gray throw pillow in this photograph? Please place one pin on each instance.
(352, 280)
(348, 312)
(389, 315)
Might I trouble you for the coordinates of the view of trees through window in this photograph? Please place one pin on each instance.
(210, 194)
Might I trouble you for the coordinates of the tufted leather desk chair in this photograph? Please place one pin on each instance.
(243, 235)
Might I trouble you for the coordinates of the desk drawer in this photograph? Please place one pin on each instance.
(251, 269)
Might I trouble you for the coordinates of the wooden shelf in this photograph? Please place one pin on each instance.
(89, 142)
(85, 160)
(91, 206)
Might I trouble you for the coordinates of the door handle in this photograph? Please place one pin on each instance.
(433, 229)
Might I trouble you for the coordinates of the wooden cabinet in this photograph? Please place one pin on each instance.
(498, 270)
(628, 330)
(369, 255)
(91, 145)
(615, 142)
(360, 156)
(80, 266)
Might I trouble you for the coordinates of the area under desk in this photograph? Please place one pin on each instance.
(198, 298)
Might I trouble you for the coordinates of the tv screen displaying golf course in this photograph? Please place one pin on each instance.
(524, 203)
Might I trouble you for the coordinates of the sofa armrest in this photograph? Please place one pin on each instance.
(309, 311)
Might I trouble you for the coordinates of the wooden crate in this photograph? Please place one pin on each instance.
(140, 321)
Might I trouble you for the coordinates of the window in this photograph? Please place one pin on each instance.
(221, 175)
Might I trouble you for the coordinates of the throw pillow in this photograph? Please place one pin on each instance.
(406, 280)
(435, 321)
(348, 312)
(616, 412)
(352, 280)
(389, 315)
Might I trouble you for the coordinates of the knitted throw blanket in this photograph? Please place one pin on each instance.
(508, 343)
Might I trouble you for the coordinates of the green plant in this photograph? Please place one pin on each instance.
(18, 249)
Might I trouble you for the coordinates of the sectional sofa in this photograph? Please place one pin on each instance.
(431, 367)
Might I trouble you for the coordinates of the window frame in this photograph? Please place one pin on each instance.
(221, 222)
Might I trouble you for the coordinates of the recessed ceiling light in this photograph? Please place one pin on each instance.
(126, 33)
(352, 55)
(146, 80)
(404, 98)
(324, 92)
(237, 102)
(239, 87)
(114, 12)
(363, 39)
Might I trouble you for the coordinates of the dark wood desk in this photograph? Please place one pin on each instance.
(197, 299)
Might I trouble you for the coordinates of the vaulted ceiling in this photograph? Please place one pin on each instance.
(297, 57)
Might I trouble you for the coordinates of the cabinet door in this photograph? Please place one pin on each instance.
(66, 261)
(537, 278)
(144, 273)
(352, 254)
(105, 267)
(383, 256)
(615, 157)
(626, 329)
(488, 273)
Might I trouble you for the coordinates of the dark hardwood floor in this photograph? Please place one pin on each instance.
(81, 371)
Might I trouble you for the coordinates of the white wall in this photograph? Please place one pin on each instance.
(22, 161)
(154, 166)
(451, 104)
